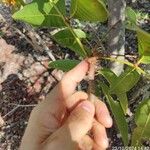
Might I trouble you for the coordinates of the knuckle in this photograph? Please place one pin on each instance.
(79, 116)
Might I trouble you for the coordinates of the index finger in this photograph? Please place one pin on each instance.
(68, 84)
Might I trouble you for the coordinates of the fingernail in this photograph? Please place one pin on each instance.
(86, 105)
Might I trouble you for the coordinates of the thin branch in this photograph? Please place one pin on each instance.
(100, 42)
(91, 76)
(34, 43)
(49, 52)
(10, 112)
(14, 109)
(19, 105)
(127, 63)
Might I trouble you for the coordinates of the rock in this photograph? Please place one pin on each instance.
(11, 62)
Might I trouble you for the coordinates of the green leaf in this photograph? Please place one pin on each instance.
(118, 114)
(145, 60)
(64, 65)
(131, 18)
(142, 119)
(67, 38)
(80, 34)
(112, 78)
(42, 13)
(123, 101)
(131, 15)
(125, 81)
(89, 10)
(143, 42)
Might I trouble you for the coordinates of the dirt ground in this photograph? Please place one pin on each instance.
(25, 78)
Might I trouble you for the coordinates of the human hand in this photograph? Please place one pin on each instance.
(63, 120)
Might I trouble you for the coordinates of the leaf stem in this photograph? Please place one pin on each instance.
(127, 63)
(120, 61)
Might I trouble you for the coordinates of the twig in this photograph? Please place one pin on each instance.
(29, 105)
(28, 40)
(91, 90)
(36, 46)
(127, 56)
(49, 52)
(91, 76)
(14, 109)
(100, 43)
(10, 112)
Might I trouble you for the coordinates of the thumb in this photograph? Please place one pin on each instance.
(75, 128)
(80, 120)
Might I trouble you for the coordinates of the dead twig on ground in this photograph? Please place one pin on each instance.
(15, 108)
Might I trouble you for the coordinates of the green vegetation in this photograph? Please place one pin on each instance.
(52, 13)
